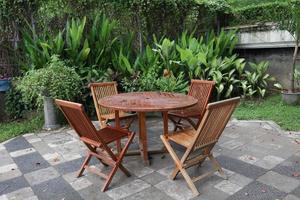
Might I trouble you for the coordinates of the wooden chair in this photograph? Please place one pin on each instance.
(100, 90)
(96, 141)
(201, 90)
(199, 143)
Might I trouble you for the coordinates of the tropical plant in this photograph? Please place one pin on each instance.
(55, 80)
(172, 83)
(297, 76)
(255, 82)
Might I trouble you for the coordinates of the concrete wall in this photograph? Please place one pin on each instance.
(280, 61)
(267, 43)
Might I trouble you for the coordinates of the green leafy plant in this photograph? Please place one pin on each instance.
(14, 106)
(172, 84)
(297, 76)
(55, 80)
(256, 81)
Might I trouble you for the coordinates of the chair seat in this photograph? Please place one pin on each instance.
(110, 134)
(122, 115)
(184, 137)
(193, 112)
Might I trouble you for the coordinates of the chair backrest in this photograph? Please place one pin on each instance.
(214, 122)
(78, 119)
(100, 90)
(201, 90)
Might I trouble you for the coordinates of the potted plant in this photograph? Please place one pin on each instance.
(42, 86)
(290, 95)
(4, 82)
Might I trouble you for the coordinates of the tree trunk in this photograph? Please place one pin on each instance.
(292, 78)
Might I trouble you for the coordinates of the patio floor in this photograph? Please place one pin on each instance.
(261, 161)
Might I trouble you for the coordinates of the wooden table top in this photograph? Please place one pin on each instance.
(148, 101)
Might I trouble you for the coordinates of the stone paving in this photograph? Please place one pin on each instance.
(261, 161)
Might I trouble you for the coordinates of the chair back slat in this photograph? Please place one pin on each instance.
(201, 90)
(78, 119)
(101, 90)
(214, 122)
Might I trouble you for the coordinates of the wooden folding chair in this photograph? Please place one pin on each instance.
(201, 90)
(203, 140)
(100, 90)
(96, 141)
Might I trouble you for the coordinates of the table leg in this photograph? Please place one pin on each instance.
(143, 137)
(118, 125)
(166, 124)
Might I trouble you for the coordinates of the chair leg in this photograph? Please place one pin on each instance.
(217, 166)
(109, 178)
(179, 166)
(174, 173)
(124, 170)
(85, 163)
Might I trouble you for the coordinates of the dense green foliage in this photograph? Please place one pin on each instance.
(271, 108)
(98, 53)
(55, 80)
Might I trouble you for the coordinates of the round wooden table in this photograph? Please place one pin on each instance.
(142, 102)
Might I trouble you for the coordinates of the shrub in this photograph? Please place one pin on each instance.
(14, 106)
(55, 80)
(255, 82)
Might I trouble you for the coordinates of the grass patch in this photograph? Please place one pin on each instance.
(286, 116)
(12, 129)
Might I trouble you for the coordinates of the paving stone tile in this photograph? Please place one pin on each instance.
(128, 189)
(10, 175)
(248, 159)
(289, 167)
(211, 193)
(93, 192)
(32, 138)
(236, 178)
(8, 168)
(42, 175)
(42, 148)
(281, 182)
(17, 143)
(166, 171)
(149, 193)
(269, 162)
(296, 192)
(21, 194)
(257, 191)
(138, 169)
(69, 166)
(77, 183)
(118, 180)
(248, 170)
(14, 184)
(232, 144)
(31, 162)
(228, 187)
(291, 197)
(154, 178)
(176, 189)
(5, 158)
(54, 189)
(22, 152)
(53, 158)
(2, 147)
